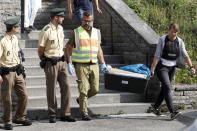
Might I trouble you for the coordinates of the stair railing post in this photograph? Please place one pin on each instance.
(112, 44)
(22, 15)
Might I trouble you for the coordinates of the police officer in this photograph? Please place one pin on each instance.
(50, 51)
(85, 45)
(11, 76)
(170, 53)
(81, 6)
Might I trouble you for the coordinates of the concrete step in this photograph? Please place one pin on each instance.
(35, 34)
(98, 109)
(40, 80)
(109, 59)
(102, 98)
(33, 43)
(30, 52)
(40, 90)
(36, 70)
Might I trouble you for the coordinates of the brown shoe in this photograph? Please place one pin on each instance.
(25, 122)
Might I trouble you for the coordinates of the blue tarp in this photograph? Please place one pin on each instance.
(137, 68)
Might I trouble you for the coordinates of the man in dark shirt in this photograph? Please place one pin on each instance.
(81, 6)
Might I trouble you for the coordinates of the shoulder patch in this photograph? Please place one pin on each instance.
(46, 28)
(1, 37)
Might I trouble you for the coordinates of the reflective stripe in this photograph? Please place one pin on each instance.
(79, 57)
(77, 39)
(99, 35)
(84, 52)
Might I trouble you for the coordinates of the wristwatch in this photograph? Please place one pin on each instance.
(192, 67)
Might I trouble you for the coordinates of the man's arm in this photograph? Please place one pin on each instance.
(100, 55)
(40, 51)
(189, 63)
(97, 7)
(68, 52)
(70, 12)
(154, 64)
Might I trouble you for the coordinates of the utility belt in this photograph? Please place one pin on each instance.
(53, 61)
(19, 69)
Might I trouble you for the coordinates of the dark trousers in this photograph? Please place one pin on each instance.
(165, 75)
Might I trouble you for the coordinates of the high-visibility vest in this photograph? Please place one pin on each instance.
(86, 48)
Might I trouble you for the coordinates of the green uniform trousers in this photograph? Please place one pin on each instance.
(57, 73)
(12, 80)
(86, 74)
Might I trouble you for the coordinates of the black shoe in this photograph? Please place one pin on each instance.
(26, 122)
(86, 117)
(174, 115)
(32, 27)
(77, 100)
(156, 112)
(68, 119)
(52, 119)
(8, 127)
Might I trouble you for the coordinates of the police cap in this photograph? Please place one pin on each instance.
(58, 12)
(12, 22)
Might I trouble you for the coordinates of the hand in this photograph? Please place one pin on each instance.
(71, 69)
(105, 68)
(99, 11)
(1, 79)
(152, 73)
(70, 15)
(152, 70)
(193, 71)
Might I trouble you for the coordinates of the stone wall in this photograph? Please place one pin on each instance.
(8, 9)
(186, 95)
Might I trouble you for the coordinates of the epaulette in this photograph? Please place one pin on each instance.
(46, 28)
(1, 37)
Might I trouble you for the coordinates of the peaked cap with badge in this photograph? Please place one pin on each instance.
(57, 12)
(12, 22)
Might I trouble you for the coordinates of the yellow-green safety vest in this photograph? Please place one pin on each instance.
(86, 48)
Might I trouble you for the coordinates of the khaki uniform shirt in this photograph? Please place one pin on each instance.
(52, 39)
(9, 49)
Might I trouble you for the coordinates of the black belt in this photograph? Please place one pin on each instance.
(11, 69)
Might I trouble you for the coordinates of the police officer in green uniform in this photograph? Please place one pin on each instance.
(11, 76)
(50, 51)
(85, 45)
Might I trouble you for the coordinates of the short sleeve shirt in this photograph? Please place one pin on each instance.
(52, 39)
(9, 51)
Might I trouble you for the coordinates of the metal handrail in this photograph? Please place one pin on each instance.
(113, 19)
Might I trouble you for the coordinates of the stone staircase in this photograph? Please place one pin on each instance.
(105, 102)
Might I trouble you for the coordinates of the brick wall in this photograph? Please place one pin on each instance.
(8, 9)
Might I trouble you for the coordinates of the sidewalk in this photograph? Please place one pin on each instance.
(123, 122)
